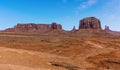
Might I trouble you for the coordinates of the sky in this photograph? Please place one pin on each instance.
(68, 13)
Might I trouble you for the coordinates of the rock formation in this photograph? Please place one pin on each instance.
(31, 27)
(107, 28)
(55, 26)
(8, 30)
(86, 25)
(74, 30)
(90, 23)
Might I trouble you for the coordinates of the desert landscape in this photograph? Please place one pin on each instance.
(49, 47)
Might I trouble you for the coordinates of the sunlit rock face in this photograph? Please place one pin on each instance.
(31, 27)
(56, 26)
(90, 23)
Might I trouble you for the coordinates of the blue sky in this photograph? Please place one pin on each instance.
(65, 12)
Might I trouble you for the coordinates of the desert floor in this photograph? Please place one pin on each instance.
(20, 51)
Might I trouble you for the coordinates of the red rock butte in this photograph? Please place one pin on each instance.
(90, 23)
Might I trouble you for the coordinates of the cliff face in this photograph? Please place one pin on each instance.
(90, 23)
(41, 28)
(55, 26)
(86, 25)
(31, 28)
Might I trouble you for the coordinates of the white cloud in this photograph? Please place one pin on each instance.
(86, 4)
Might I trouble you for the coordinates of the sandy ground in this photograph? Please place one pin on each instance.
(59, 52)
(14, 59)
(18, 67)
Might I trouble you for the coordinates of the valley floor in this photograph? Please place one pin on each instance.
(59, 52)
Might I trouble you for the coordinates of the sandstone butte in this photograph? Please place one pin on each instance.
(88, 24)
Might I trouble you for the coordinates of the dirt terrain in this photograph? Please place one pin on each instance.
(59, 51)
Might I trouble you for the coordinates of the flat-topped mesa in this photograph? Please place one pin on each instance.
(90, 23)
(39, 28)
(31, 27)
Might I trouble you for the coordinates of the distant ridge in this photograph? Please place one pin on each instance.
(86, 25)
(110, 31)
(35, 28)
